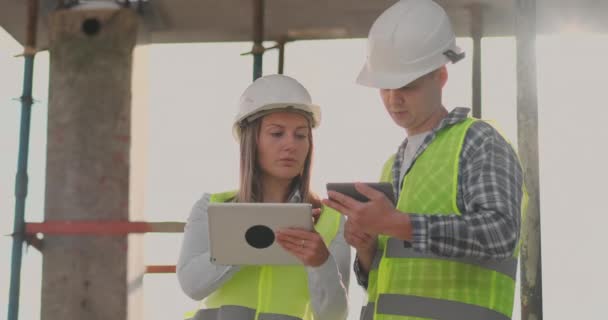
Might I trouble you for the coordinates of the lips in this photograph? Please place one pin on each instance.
(399, 113)
(288, 161)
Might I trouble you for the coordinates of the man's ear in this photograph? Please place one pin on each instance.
(443, 76)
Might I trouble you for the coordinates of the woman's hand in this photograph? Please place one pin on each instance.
(307, 246)
(316, 214)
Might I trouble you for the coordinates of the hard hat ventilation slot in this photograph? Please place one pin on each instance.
(453, 56)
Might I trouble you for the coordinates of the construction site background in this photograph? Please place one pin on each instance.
(190, 91)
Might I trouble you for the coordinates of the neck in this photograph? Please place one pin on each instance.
(275, 190)
(431, 122)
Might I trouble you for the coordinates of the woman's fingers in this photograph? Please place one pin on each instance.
(316, 213)
(307, 246)
(292, 247)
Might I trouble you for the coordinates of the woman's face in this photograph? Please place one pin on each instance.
(283, 144)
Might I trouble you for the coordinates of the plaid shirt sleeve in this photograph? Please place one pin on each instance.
(489, 198)
(362, 276)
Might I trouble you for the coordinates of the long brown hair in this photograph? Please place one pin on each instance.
(250, 189)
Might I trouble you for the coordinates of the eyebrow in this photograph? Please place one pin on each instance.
(282, 126)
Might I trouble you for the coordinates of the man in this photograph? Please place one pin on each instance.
(448, 250)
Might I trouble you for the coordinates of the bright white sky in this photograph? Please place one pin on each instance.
(191, 92)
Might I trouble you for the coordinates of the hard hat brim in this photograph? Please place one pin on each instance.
(386, 80)
(396, 80)
(313, 109)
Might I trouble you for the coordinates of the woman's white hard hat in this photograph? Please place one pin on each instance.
(274, 93)
(407, 41)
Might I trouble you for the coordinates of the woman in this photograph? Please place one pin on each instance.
(274, 126)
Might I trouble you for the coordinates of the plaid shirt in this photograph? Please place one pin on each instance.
(489, 197)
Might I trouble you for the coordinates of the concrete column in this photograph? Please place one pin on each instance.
(88, 174)
(139, 142)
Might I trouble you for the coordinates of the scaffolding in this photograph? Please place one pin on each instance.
(528, 149)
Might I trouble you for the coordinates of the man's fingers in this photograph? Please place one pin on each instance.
(336, 206)
(368, 191)
(343, 199)
(358, 238)
(361, 236)
(359, 243)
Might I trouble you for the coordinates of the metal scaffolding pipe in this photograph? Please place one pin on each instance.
(21, 178)
(476, 34)
(527, 119)
(258, 37)
(102, 227)
(281, 46)
(160, 269)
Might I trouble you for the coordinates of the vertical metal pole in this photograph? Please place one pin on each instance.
(21, 178)
(281, 56)
(476, 34)
(527, 118)
(258, 37)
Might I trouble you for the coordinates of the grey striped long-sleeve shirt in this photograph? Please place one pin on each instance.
(489, 197)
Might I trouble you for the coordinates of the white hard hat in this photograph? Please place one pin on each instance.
(274, 92)
(407, 41)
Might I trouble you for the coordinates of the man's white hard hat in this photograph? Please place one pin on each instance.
(407, 41)
(274, 93)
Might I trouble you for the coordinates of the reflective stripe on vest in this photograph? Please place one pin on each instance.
(367, 312)
(400, 249)
(237, 312)
(429, 308)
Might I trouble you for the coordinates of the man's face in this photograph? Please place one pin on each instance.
(412, 106)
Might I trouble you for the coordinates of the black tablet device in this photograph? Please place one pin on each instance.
(348, 188)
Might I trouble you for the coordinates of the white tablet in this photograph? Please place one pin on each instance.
(243, 233)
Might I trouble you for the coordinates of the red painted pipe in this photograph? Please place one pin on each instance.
(160, 269)
(102, 227)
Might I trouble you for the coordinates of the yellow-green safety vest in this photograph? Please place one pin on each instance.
(406, 284)
(268, 292)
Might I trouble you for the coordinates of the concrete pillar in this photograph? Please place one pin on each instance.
(139, 142)
(87, 173)
(527, 137)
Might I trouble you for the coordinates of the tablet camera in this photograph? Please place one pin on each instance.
(259, 237)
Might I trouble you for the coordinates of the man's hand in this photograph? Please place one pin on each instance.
(358, 239)
(364, 243)
(377, 216)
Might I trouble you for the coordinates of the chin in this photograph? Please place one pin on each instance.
(401, 123)
(286, 174)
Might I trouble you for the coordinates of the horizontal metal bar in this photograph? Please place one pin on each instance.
(160, 269)
(102, 227)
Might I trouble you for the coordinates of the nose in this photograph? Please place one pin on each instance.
(289, 143)
(394, 97)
